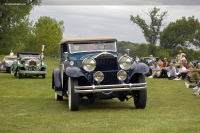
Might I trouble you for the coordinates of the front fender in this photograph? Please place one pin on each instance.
(20, 65)
(44, 66)
(139, 68)
(73, 72)
(137, 71)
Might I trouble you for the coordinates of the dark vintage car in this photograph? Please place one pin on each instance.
(29, 64)
(91, 68)
(7, 62)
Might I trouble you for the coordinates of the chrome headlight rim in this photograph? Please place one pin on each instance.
(98, 76)
(89, 64)
(26, 63)
(38, 63)
(121, 75)
(124, 65)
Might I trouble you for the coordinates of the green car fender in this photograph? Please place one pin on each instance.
(20, 65)
(44, 66)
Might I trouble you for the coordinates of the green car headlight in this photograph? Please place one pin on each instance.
(98, 76)
(121, 75)
(26, 63)
(125, 62)
(38, 63)
(89, 64)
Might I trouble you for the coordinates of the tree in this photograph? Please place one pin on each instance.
(151, 32)
(183, 33)
(47, 31)
(13, 19)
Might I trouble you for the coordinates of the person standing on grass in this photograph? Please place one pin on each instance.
(180, 56)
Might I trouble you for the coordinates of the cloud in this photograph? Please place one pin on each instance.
(93, 21)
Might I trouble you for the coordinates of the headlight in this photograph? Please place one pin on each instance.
(89, 64)
(121, 75)
(125, 62)
(71, 63)
(26, 63)
(38, 63)
(98, 76)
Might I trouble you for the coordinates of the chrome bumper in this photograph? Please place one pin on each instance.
(109, 88)
(32, 72)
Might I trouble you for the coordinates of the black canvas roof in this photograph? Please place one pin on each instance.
(28, 53)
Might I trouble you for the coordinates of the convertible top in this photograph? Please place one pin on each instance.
(86, 39)
(28, 53)
(11, 57)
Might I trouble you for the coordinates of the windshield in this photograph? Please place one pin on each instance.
(88, 47)
(10, 59)
(24, 56)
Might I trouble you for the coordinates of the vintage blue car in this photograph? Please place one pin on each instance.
(91, 68)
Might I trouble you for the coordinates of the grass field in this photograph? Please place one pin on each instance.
(28, 106)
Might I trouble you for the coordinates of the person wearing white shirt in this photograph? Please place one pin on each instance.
(171, 71)
(181, 73)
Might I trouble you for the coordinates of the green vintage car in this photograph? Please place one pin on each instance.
(29, 64)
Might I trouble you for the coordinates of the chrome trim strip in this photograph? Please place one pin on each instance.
(109, 88)
(32, 72)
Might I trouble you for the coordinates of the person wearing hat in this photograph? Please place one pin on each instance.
(180, 56)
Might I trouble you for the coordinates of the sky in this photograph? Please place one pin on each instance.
(98, 20)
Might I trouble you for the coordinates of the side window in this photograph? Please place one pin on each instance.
(64, 47)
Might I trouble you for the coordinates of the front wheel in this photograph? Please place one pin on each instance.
(8, 69)
(43, 75)
(11, 70)
(73, 98)
(19, 74)
(140, 98)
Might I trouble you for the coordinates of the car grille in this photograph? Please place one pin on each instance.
(107, 65)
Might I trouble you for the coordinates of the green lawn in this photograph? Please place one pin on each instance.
(28, 105)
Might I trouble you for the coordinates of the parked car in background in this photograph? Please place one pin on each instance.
(148, 60)
(89, 67)
(29, 64)
(195, 62)
(173, 61)
(7, 62)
